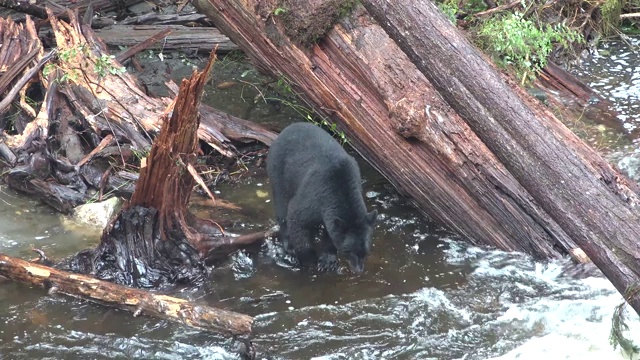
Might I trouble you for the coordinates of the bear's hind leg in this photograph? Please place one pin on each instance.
(300, 244)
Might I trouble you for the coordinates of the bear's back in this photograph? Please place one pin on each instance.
(304, 147)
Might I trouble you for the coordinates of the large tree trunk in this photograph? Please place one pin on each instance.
(594, 204)
(469, 149)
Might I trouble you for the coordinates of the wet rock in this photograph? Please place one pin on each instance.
(630, 166)
(99, 213)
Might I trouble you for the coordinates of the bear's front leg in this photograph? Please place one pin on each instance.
(328, 254)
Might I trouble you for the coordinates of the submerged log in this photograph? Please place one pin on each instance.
(573, 99)
(133, 300)
(469, 147)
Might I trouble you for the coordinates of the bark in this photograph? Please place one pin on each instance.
(399, 123)
(471, 149)
(593, 203)
(133, 300)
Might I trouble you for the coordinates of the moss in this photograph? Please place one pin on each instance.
(305, 25)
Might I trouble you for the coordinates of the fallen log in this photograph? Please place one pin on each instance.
(575, 100)
(59, 7)
(202, 39)
(136, 301)
(169, 19)
(594, 204)
(469, 147)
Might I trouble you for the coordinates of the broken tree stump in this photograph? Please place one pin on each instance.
(155, 241)
(133, 300)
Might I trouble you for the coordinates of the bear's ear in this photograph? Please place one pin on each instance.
(372, 217)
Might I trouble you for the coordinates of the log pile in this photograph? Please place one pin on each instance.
(91, 112)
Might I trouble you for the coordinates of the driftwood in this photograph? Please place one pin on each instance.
(470, 148)
(185, 38)
(169, 19)
(133, 300)
(59, 7)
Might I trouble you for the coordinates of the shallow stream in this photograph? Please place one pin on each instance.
(425, 293)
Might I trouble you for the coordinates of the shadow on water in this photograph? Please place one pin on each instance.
(424, 295)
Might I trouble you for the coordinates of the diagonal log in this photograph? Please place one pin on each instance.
(594, 204)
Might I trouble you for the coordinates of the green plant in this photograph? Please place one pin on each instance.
(450, 10)
(284, 88)
(619, 327)
(279, 11)
(611, 10)
(104, 66)
(519, 43)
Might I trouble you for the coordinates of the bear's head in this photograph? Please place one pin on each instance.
(356, 242)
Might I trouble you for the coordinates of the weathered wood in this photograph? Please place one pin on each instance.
(181, 37)
(394, 117)
(592, 202)
(153, 18)
(59, 7)
(145, 44)
(129, 299)
(20, 46)
(164, 182)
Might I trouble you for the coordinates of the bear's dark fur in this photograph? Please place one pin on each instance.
(315, 182)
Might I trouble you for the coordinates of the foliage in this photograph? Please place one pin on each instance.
(283, 86)
(611, 10)
(450, 9)
(518, 43)
(619, 326)
(67, 63)
(104, 65)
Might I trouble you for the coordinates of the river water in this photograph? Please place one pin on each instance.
(425, 294)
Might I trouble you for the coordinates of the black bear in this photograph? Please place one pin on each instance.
(315, 182)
